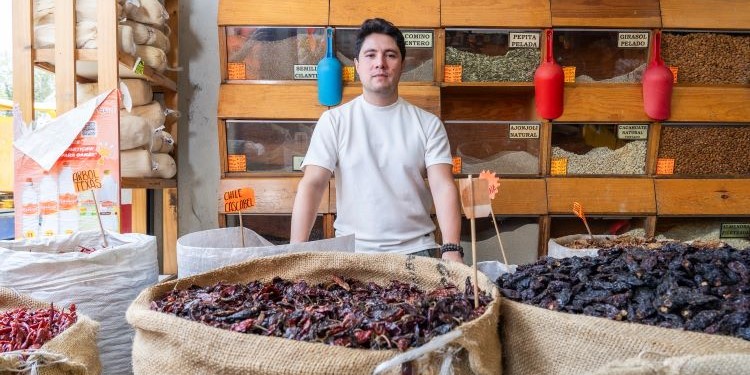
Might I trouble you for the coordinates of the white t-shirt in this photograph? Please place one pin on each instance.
(379, 157)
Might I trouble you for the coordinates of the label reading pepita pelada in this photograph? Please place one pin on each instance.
(305, 72)
(524, 131)
(523, 40)
(418, 39)
(735, 230)
(632, 131)
(632, 40)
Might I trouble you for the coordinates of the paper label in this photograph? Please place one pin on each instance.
(418, 39)
(239, 199)
(305, 72)
(452, 73)
(664, 166)
(236, 70)
(86, 180)
(632, 131)
(457, 165)
(347, 74)
(559, 167)
(569, 73)
(523, 40)
(632, 40)
(674, 70)
(237, 163)
(139, 66)
(735, 230)
(297, 163)
(524, 131)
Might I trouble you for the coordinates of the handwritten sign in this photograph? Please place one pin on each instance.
(86, 180)
(237, 163)
(453, 73)
(239, 199)
(236, 70)
(664, 166)
(558, 166)
(674, 70)
(457, 165)
(347, 74)
(493, 183)
(569, 73)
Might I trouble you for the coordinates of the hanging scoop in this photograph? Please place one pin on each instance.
(330, 81)
(657, 85)
(548, 85)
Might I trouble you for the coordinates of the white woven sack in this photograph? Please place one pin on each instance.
(86, 33)
(556, 249)
(151, 12)
(207, 250)
(153, 113)
(44, 11)
(148, 35)
(141, 92)
(141, 163)
(161, 142)
(134, 132)
(101, 284)
(152, 56)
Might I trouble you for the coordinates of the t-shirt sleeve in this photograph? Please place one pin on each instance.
(438, 150)
(322, 151)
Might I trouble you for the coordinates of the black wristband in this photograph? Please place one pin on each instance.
(447, 247)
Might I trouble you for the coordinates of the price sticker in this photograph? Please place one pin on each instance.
(347, 74)
(239, 199)
(674, 70)
(452, 73)
(86, 180)
(664, 166)
(457, 165)
(237, 163)
(139, 66)
(236, 70)
(559, 167)
(570, 74)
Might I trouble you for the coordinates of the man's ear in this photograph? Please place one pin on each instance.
(356, 63)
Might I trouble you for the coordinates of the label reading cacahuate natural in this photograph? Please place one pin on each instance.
(305, 72)
(632, 131)
(418, 39)
(523, 40)
(524, 131)
(632, 40)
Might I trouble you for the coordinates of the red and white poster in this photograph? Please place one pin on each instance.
(49, 161)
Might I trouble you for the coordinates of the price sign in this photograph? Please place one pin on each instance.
(559, 167)
(452, 73)
(664, 166)
(493, 183)
(347, 74)
(86, 180)
(237, 163)
(239, 199)
(236, 70)
(570, 74)
(457, 165)
(674, 70)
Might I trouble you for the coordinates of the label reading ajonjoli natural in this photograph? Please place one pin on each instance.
(632, 40)
(305, 72)
(735, 230)
(632, 131)
(523, 40)
(524, 131)
(418, 39)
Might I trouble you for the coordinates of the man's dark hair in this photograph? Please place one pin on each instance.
(380, 26)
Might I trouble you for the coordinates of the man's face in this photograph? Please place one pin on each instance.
(379, 65)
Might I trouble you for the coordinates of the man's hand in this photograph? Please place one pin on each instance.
(453, 256)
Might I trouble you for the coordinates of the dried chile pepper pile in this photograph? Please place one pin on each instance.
(347, 312)
(678, 286)
(23, 328)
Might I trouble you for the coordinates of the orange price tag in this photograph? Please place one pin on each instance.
(347, 74)
(570, 74)
(493, 183)
(559, 167)
(86, 180)
(237, 163)
(452, 73)
(236, 70)
(578, 210)
(664, 166)
(457, 165)
(239, 199)
(674, 70)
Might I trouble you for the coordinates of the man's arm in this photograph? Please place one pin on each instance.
(309, 193)
(445, 196)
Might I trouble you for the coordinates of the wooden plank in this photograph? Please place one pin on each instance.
(147, 183)
(272, 195)
(705, 14)
(273, 12)
(425, 97)
(108, 69)
(604, 102)
(332, 196)
(521, 197)
(649, 226)
(23, 63)
(652, 149)
(544, 231)
(416, 13)
(606, 13)
(328, 230)
(710, 103)
(488, 103)
(289, 102)
(223, 54)
(65, 47)
(222, 133)
(439, 58)
(703, 197)
(173, 54)
(489, 13)
(607, 196)
(139, 211)
(545, 147)
(169, 231)
(48, 55)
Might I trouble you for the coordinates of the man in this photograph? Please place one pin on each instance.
(381, 148)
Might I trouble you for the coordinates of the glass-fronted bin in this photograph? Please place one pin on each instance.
(519, 236)
(267, 146)
(704, 149)
(734, 231)
(274, 228)
(419, 63)
(602, 56)
(274, 53)
(598, 149)
(491, 55)
(506, 148)
(708, 58)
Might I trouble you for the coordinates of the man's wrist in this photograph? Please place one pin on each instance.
(452, 247)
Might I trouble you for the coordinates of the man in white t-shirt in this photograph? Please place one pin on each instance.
(380, 148)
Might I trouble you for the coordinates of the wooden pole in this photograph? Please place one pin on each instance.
(497, 230)
(473, 243)
(101, 227)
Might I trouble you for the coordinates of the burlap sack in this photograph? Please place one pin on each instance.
(77, 343)
(166, 344)
(717, 364)
(538, 341)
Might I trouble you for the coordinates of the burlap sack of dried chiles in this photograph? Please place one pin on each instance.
(167, 344)
(72, 352)
(715, 364)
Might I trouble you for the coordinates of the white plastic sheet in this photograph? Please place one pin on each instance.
(556, 246)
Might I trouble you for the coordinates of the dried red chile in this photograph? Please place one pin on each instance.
(347, 312)
(677, 286)
(23, 328)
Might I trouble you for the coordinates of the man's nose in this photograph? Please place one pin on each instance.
(380, 61)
